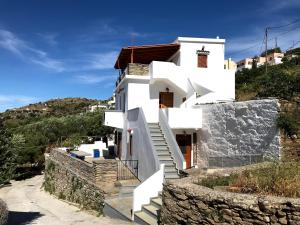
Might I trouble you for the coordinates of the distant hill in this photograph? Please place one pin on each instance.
(36, 128)
(53, 107)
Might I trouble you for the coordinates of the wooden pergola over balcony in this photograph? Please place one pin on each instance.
(145, 54)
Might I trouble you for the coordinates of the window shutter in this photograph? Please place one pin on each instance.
(202, 61)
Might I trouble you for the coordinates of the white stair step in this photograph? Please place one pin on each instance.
(157, 135)
(168, 163)
(162, 148)
(163, 153)
(170, 170)
(154, 130)
(153, 125)
(159, 143)
(165, 158)
(171, 176)
(151, 209)
(146, 218)
(158, 138)
(156, 201)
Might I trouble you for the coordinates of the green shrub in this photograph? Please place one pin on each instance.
(287, 124)
(3, 213)
(214, 181)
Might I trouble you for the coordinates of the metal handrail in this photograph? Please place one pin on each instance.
(128, 169)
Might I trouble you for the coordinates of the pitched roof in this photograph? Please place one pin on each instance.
(145, 54)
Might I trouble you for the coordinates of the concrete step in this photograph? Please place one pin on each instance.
(171, 176)
(162, 148)
(126, 191)
(159, 143)
(153, 125)
(165, 158)
(146, 218)
(163, 153)
(151, 209)
(156, 134)
(170, 169)
(157, 201)
(156, 138)
(169, 163)
(154, 130)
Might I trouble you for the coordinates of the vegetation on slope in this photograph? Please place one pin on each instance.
(283, 82)
(28, 132)
(280, 179)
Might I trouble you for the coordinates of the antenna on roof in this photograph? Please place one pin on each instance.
(133, 35)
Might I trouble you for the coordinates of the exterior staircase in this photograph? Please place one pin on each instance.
(148, 214)
(163, 151)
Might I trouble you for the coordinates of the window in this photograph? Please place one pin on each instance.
(202, 61)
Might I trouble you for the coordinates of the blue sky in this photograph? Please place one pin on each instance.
(66, 48)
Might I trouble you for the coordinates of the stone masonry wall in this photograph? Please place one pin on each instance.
(80, 167)
(78, 181)
(106, 172)
(67, 184)
(138, 69)
(100, 172)
(239, 128)
(188, 203)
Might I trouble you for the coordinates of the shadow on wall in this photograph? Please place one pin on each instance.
(22, 218)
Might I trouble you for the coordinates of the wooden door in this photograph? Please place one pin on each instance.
(184, 142)
(166, 99)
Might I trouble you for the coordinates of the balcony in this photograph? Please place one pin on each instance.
(183, 118)
(136, 69)
(114, 118)
(170, 73)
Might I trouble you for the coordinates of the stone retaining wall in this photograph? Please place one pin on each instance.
(106, 171)
(188, 203)
(78, 166)
(66, 184)
(100, 172)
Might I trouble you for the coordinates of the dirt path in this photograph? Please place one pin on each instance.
(29, 205)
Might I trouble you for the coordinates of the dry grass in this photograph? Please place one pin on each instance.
(280, 179)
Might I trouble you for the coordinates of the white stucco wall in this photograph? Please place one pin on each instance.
(188, 52)
(239, 128)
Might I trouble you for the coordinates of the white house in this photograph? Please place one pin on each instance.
(157, 95)
(175, 110)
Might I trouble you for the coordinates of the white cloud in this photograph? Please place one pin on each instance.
(12, 101)
(102, 61)
(22, 49)
(94, 79)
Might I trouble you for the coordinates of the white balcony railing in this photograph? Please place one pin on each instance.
(170, 73)
(114, 118)
(183, 118)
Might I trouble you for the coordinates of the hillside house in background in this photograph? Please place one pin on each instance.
(94, 108)
(273, 58)
(175, 109)
(229, 64)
